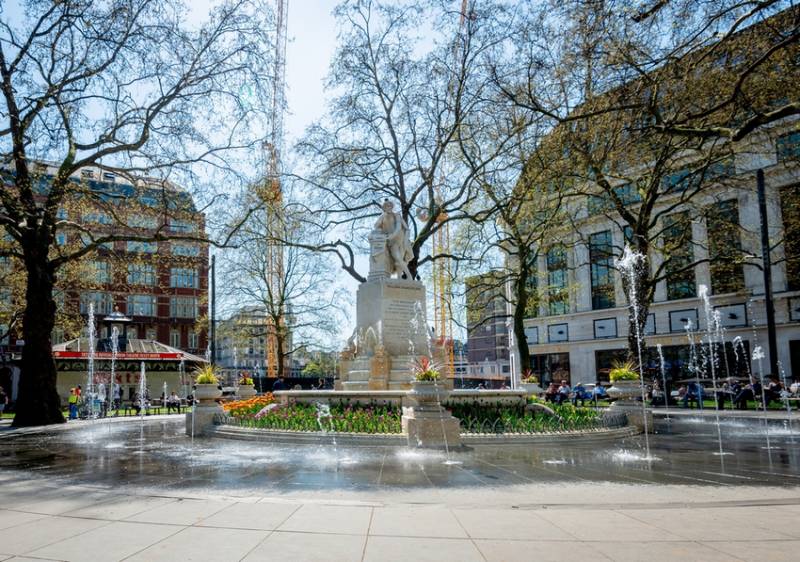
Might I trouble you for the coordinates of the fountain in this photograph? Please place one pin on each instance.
(627, 264)
(712, 328)
(143, 403)
(89, 394)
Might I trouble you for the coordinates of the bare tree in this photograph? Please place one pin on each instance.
(301, 304)
(404, 120)
(130, 87)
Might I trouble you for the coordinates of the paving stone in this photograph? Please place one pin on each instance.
(760, 550)
(309, 547)
(108, 543)
(422, 521)
(180, 512)
(509, 524)
(259, 516)
(35, 534)
(203, 544)
(403, 549)
(314, 518)
(540, 551)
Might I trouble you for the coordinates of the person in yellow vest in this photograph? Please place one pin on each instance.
(73, 404)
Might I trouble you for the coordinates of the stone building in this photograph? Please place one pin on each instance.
(487, 330)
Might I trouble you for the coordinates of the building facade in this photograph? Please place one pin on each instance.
(581, 327)
(160, 280)
(487, 352)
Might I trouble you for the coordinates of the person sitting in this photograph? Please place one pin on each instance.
(173, 403)
(579, 393)
(599, 393)
(137, 404)
(694, 393)
(657, 396)
(278, 385)
(551, 392)
(563, 392)
(745, 394)
(773, 391)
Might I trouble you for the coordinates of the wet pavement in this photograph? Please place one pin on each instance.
(155, 454)
(130, 491)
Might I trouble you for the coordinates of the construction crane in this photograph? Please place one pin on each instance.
(442, 274)
(273, 196)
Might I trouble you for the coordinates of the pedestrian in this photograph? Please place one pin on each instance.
(278, 385)
(73, 403)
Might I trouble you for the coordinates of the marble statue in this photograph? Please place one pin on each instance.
(397, 251)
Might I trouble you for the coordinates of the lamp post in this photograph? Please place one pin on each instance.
(772, 340)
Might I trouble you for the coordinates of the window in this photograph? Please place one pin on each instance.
(141, 305)
(175, 338)
(61, 238)
(558, 297)
(97, 217)
(724, 248)
(679, 253)
(150, 334)
(788, 146)
(532, 286)
(183, 307)
(183, 277)
(100, 271)
(4, 336)
(109, 177)
(141, 274)
(187, 250)
(600, 259)
(790, 211)
(142, 247)
(87, 174)
(193, 340)
(181, 226)
(143, 221)
(103, 302)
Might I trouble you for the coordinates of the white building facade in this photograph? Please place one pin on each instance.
(581, 328)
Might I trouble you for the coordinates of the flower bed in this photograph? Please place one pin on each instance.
(249, 407)
(306, 417)
(506, 419)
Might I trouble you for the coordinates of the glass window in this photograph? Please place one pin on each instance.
(100, 271)
(142, 247)
(141, 305)
(183, 307)
(790, 211)
(187, 250)
(558, 296)
(183, 277)
(143, 221)
(175, 338)
(61, 238)
(193, 340)
(97, 217)
(725, 248)
(601, 264)
(103, 302)
(141, 274)
(788, 146)
(181, 226)
(679, 254)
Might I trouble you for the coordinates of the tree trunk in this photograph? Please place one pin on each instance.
(280, 345)
(38, 402)
(520, 308)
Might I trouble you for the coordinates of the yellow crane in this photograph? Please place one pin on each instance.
(274, 193)
(442, 274)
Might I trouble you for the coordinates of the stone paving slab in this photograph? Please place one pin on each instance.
(452, 526)
(309, 547)
(109, 543)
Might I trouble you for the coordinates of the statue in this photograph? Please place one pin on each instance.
(398, 247)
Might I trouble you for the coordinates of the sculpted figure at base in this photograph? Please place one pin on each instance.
(398, 246)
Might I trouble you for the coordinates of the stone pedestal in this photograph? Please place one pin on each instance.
(636, 417)
(201, 419)
(391, 330)
(425, 422)
(245, 391)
